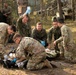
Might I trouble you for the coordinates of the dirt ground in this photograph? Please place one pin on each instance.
(63, 68)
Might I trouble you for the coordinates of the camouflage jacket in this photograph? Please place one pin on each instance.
(3, 33)
(53, 33)
(39, 35)
(66, 37)
(29, 47)
(24, 29)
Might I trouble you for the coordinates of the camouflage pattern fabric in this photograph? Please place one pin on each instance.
(3, 37)
(33, 51)
(24, 29)
(53, 34)
(68, 43)
(3, 33)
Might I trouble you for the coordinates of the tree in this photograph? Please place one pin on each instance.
(60, 8)
(73, 9)
(41, 8)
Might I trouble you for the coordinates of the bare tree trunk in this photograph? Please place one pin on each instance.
(73, 10)
(60, 8)
(41, 8)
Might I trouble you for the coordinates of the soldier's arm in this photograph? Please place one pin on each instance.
(65, 35)
(10, 10)
(45, 35)
(21, 50)
(19, 25)
(21, 59)
(49, 35)
(34, 34)
(59, 39)
(29, 29)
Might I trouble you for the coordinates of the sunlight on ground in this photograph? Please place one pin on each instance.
(70, 71)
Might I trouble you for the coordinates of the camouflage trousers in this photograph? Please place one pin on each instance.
(70, 54)
(1, 51)
(60, 46)
(36, 61)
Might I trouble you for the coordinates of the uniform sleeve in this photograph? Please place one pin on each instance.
(59, 39)
(29, 27)
(65, 36)
(10, 10)
(34, 34)
(19, 25)
(49, 35)
(44, 36)
(22, 49)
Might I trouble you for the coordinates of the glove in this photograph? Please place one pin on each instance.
(14, 60)
(42, 42)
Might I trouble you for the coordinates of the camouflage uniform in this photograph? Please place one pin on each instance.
(40, 35)
(33, 51)
(3, 36)
(54, 34)
(68, 44)
(24, 29)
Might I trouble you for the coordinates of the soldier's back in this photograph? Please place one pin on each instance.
(3, 27)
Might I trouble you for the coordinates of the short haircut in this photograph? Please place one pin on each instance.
(13, 28)
(16, 35)
(54, 19)
(60, 20)
(39, 23)
(27, 17)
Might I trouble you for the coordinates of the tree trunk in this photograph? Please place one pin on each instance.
(73, 10)
(41, 9)
(60, 8)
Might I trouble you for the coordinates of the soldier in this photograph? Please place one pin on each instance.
(40, 34)
(53, 34)
(23, 26)
(5, 31)
(67, 41)
(7, 13)
(31, 50)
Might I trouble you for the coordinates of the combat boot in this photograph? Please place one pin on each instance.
(47, 64)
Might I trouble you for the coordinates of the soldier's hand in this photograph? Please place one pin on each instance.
(54, 43)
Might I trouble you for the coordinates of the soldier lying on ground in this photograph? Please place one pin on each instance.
(31, 50)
